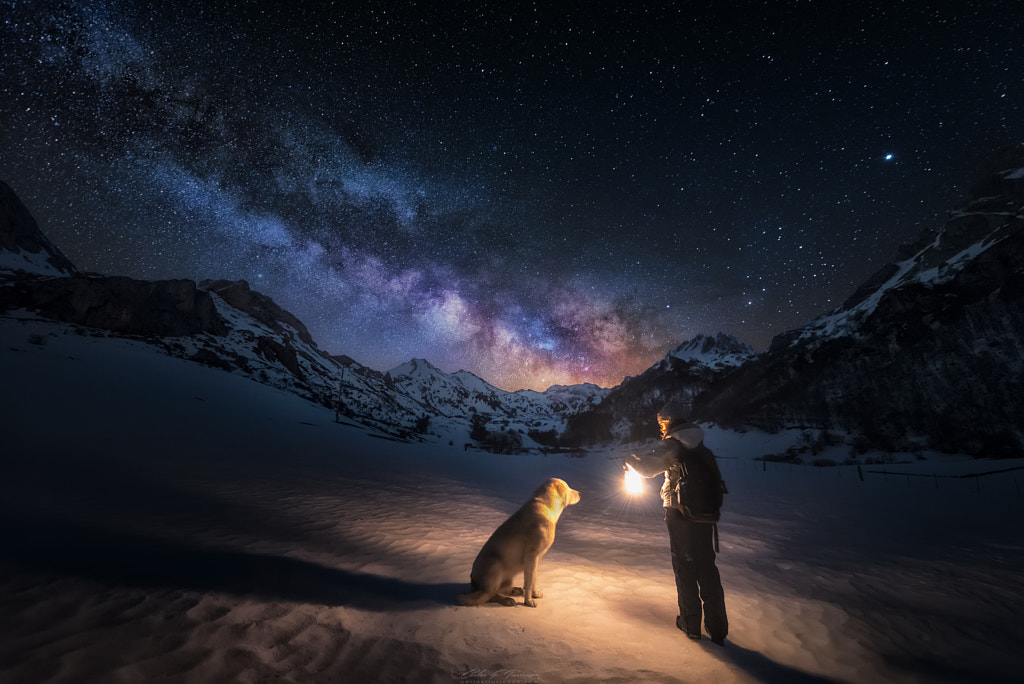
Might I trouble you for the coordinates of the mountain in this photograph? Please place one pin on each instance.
(462, 396)
(628, 411)
(929, 352)
(715, 353)
(23, 247)
(227, 325)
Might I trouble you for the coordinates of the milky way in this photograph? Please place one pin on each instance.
(538, 195)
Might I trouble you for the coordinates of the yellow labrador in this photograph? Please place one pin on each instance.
(517, 546)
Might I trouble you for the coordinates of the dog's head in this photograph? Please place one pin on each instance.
(558, 493)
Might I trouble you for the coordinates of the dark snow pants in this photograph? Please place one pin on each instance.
(697, 578)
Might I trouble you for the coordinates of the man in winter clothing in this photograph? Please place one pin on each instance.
(698, 584)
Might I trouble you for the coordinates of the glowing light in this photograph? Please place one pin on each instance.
(634, 483)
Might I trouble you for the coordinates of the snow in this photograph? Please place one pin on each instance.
(719, 351)
(452, 399)
(843, 321)
(167, 521)
(28, 261)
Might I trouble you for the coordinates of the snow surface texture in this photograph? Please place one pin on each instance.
(165, 521)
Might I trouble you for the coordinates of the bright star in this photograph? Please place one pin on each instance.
(888, 157)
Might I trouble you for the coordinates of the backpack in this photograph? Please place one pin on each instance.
(701, 488)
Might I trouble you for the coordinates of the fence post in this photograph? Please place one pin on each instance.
(860, 473)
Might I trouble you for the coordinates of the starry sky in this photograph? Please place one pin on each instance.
(537, 192)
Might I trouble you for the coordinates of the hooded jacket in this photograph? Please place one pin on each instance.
(666, 457)
(683, 435)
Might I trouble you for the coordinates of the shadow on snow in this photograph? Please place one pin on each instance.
(125, 559)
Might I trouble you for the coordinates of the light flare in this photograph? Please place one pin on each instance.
(634, 483)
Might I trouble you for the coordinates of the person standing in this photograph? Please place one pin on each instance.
(682, 457)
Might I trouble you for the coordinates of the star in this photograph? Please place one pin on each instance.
(513, 196)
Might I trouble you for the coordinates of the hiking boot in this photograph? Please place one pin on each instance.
(718, 640)
(692, 633)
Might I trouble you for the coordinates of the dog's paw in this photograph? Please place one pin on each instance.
(516, 591)
(537, 593)
(506, 600)
(530, 603)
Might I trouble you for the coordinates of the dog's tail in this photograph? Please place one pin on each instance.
(477, 598)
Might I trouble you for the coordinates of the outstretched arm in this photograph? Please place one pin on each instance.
(653, 462)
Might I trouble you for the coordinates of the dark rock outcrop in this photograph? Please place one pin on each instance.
(164, 308)
(238, 294)
(19, 233)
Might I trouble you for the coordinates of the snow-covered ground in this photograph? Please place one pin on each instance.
(162, 521)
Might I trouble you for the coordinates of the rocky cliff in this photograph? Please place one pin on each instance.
(23, 246)
(927, 353)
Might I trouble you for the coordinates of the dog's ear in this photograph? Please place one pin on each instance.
(563, 490)
(546, 490)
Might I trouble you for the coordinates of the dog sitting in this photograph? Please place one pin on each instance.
(517, 546)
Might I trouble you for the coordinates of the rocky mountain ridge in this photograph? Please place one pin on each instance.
(227, 325)
(686, 372)
(928, 353)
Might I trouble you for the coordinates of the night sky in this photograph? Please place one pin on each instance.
(538, 193)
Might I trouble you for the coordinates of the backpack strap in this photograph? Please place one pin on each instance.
(715, 526)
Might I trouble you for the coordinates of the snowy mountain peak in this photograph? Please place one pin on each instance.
(569, 397)
(422, 372)
(416, 368)
(472, 381)
(715, 351)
